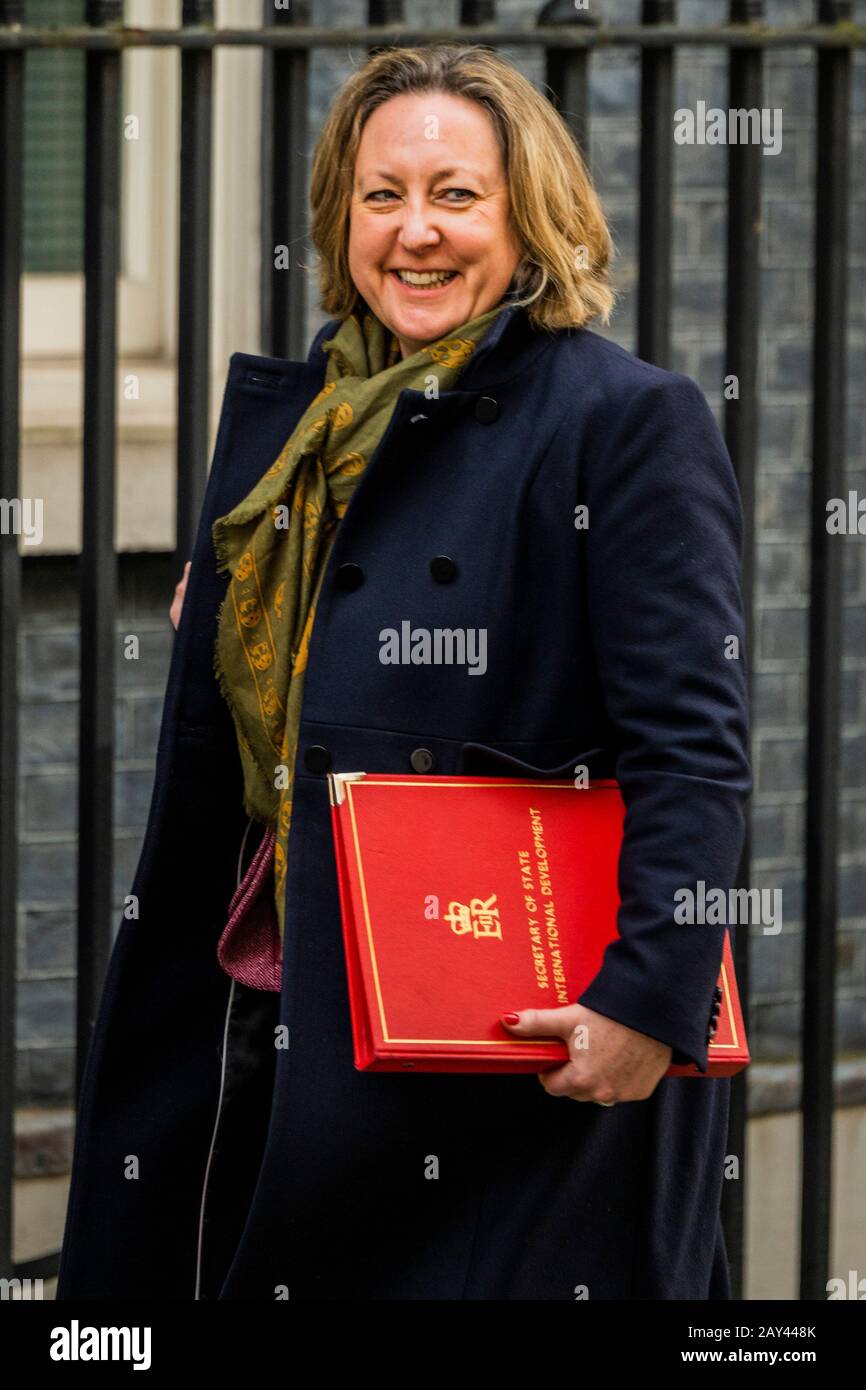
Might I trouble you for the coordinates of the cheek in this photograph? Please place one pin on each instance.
(505, 258)
(489, 241)
(365, 247)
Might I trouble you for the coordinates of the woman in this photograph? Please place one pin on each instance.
(460, 451)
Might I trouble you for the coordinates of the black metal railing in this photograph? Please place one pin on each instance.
(569, 37)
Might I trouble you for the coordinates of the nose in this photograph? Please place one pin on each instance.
(417, 227)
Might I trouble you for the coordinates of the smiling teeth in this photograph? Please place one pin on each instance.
(427, 277)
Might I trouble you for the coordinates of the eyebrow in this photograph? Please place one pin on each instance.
(440, 174)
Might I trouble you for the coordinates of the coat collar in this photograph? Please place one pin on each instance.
(508, 348)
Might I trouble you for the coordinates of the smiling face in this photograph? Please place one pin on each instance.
(423, 205)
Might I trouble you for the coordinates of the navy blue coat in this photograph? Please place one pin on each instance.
(606, 646)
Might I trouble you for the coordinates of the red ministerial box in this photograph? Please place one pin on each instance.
(463, 897)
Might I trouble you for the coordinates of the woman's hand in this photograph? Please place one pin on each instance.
(179, 593)
(609, 1062)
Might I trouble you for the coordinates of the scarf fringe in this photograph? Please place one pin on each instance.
(225, 688)
(220, 545)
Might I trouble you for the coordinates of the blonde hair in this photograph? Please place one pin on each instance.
(562, 277)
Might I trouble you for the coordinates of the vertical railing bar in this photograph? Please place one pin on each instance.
(98, 565)
(656, 176)
(474, 12)
(193, 351)
(267, 192)
(11, 193)
(384, 12)
(743, 288)
(567, 72)
(284, 185)
(825, 642)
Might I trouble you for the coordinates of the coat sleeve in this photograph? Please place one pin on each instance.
(663, 552)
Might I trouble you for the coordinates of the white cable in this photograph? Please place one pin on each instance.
(220, 1100)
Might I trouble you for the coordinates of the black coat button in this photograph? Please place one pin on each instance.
(422, 760)
(486, 410)
(317, 758)
(443, 569)
(350, 576)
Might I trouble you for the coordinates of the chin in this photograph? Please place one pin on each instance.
(424, 330)
(427, 327)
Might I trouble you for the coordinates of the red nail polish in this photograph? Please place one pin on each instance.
(511, 1018)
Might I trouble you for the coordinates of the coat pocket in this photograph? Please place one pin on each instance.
(485, 760)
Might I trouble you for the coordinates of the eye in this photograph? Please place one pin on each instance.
(381, 194)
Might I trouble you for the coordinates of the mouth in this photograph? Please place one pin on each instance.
(423, 284)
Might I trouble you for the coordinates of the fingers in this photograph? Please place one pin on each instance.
(176, 608)
(570, 1082)
(180, 586)
(577, 1081)
(532, 1023)
(608, 1062)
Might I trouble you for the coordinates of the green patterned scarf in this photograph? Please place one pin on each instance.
(276, 543)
